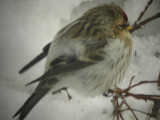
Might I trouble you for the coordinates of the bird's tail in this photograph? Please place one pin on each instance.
(30, 103)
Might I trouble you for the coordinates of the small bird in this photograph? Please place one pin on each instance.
(89, 55)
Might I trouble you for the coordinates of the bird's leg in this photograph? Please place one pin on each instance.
(107, 94)
(63, 89)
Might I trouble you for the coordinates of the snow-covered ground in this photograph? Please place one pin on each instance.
(28, 25)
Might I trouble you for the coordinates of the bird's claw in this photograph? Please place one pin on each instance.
(63, 89)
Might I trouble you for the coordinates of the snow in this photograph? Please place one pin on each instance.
(27, 26)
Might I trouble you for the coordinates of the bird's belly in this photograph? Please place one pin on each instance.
(98, 78)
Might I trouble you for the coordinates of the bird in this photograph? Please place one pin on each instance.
(89, 55)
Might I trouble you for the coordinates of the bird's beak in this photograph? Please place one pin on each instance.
(129, 27)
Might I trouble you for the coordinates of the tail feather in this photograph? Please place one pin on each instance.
(42, 55)
(30, 103)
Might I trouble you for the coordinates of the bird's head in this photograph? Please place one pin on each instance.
(117, 24)
(110, 18)
(120, 19)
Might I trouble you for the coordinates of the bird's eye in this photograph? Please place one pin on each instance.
(123, 26)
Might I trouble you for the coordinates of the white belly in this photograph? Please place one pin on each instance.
(97, 79)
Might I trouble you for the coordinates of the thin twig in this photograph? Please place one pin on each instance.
(158, 79)
(140, 83)
(145, 22)
(121, 116)
(130, 108)
(120, 106)
(131, 81)
(150, 114)
(144, 97)
(123, 93)
(142, 13)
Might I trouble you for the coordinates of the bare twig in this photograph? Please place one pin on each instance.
(140, 83)
(144, 97)
(123, 93)
(156, 106)
(145, 22)
(131, 81)
(137, 26)
(142, 13)
(130, 110)
(149, 114)
(158, 80)
(117, 108)
(121, 116)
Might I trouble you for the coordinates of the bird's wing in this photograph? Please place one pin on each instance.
(31, 102)
(38, 58)
(64, 65)
(60, 65)
(74, 31)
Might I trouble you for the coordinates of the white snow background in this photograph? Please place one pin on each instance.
(26, 26)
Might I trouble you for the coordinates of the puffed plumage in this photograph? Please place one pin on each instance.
(89, 55)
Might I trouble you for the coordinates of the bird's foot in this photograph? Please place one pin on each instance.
(63, 89)
(109, 93)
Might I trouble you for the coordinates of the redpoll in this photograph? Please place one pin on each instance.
(88, 55)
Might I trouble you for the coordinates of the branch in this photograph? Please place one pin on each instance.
(145, 22)
(158, 80)
(119, 95)
(142, 13)
(140, 83)
(154, 98)
(130, 109)
(156, 106)
(149, 114)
